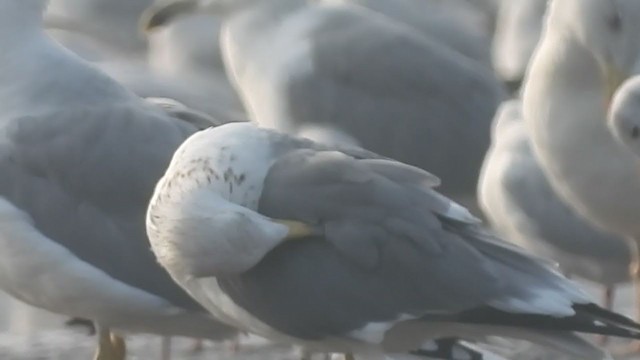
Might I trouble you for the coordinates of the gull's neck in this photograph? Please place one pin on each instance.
(19, 18)
(37, 74)
(564, 106)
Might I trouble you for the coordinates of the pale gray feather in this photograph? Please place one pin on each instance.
(400, 245)
(396, 92)
(85, 176)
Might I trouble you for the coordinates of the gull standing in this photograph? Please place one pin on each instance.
(79, 156)
(519, 202)
(344, 251)
(587, 49)
(298, 63)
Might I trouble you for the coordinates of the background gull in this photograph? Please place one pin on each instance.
(296, 63)
(110, 23)
(114, 43)
(79, 155)
(348, 252)
(456, 24)
(519, 202)
(189, 44)
(518, 29)
(588, 48)
(188, 51)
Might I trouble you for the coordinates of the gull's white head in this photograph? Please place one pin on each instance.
(608, 29)
(624, 114)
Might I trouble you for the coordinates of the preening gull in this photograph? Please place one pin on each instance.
(79, 156)
(588, 48)
(519, 202)
(297, 63)
(340, 250)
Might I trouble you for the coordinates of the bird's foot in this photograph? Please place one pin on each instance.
(111, 347)
(627, 351)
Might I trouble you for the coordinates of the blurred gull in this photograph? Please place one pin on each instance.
(112, 23)
(79, 156)
(518, 29)
(344, 251)
(456, 24)
(189, 44)
(188, 51)
(296, 63)
(519, 202)
(116, 46)
(588, 48)
(207, 95)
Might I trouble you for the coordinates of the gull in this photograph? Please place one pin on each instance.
(79, 156)
(340, 250)
(298, 63)
(588, 48)
(519, 202)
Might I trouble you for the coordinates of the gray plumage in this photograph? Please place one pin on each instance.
(394, 91)
(111, 22)
(114, 44)
(386, 249)
(79, 158)
(456, 24)
(519, 202)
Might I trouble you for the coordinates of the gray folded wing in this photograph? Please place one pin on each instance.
(391, 248)
(398, 94)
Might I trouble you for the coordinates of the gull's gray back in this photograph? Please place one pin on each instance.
(395, 92)
(85, 176)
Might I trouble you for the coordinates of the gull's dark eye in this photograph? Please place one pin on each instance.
(635, 132)
(615, 22)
